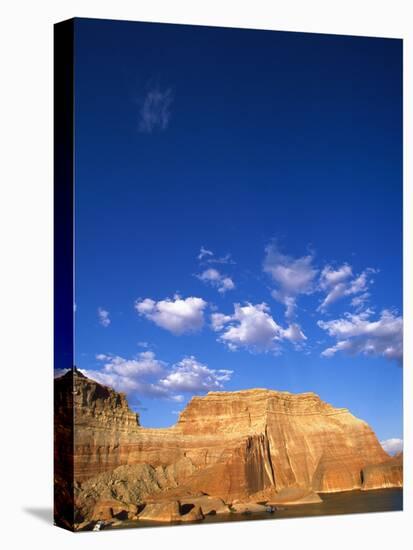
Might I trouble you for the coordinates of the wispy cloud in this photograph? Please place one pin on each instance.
(292, 276)
(177, 315)
(359, 334)
(206, 256)
(103, 317)
(143, 345)
(339, 283)
(205, 253)
(155, 112)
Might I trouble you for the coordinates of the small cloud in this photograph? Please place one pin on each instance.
(155, 112)
(214, 278)
(206, 256)
(392, 446)
(143, 345)
(358, 334)
(204, 252)
(103, 317)
(191, 376)
(178, 315)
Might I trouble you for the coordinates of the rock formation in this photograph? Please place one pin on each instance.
(385, 474)
(233, 446)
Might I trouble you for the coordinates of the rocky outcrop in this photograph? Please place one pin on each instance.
(227, 445)
(107, 509)
(385, 475)
(208, 505)
(294, 496)
(161, 511)
(194, 514)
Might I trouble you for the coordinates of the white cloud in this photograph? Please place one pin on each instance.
(189, 375)
(359, 302)
(358, 334)
(213, 277)
(293, 276)
(155, 112)
(252, 327)
(144, 364)
(145, 375)
(177, 315)
(392, 446)
(103, 317)
(339, 283)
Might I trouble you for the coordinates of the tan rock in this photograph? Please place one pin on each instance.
(208, 505)
(195, 514)
(108, 509)
(294, 496)
(384, 475)
(161, 511)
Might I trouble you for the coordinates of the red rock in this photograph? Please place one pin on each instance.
(228, 445)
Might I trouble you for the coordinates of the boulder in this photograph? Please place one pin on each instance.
(195, 514)
(161, 511)
(208, 505)
(107, 509)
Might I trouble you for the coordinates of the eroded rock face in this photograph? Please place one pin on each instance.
(228, 445)
(385, 475)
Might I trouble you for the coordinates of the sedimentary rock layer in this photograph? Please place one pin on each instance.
(230, 445)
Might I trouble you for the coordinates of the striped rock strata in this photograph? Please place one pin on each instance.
(230, 445)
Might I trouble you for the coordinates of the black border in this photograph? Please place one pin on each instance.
(63, 268)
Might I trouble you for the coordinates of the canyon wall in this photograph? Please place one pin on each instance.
(231, 445)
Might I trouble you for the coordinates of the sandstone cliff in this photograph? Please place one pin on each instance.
(229, 445)
(386, 474)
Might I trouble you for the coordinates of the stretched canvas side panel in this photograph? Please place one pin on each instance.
(63, 273)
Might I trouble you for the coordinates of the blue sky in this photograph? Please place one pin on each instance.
(238, 215)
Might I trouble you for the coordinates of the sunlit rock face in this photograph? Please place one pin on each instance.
(228, 445)
(385, 475)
